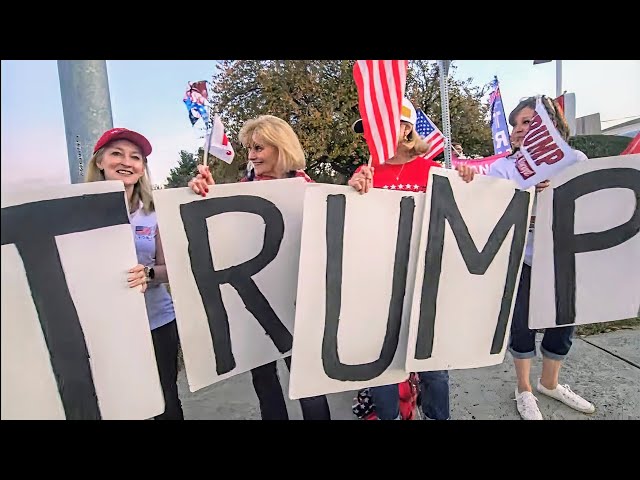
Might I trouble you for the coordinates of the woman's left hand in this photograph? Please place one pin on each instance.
(542, 185)
(137, 277)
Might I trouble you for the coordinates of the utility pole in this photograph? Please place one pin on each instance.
(86, 106)
(558, 78)
(444, 100)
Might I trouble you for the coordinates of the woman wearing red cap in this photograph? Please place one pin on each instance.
(275, 152)
(121, 154)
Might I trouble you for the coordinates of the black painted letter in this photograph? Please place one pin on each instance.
(32, 227)
(333, 367)
(194, 217)
(566, 243)
(444, 208)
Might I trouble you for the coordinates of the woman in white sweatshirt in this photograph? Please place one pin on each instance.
(556, 341)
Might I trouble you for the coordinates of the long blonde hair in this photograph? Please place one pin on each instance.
(412, 142)
(278, 133)
(141, 190)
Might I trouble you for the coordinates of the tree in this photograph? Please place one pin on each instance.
(469, 115)
(179, 176)
(320, 101)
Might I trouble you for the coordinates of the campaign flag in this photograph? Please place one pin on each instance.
(217, 143)
(196, 99)
(499, 127)
(543, 152)
(430, 133)
(380, 85)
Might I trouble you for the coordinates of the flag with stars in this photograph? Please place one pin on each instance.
(380, 85)
(430, 133)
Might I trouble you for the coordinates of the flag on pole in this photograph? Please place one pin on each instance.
(381, 85)
(196, 99)
(498, 121)
(429, 133)
(217, 143)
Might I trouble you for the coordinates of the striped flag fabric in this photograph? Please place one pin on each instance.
(633, 147)
(430, 133)
(381, 85)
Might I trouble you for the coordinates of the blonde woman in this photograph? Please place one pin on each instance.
(121, 154)
(275, 152)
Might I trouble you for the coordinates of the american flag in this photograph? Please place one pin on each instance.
(380, 85)
(141, 230)
(430, 133)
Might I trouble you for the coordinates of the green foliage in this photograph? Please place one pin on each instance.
(320, 101)
(597, 146)
(468, 112)
(179, 176)
(596, 328)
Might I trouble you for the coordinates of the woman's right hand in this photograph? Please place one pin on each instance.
(363, 180)
(466, 172)
(200, 183)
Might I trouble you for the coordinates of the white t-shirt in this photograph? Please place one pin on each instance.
(158, 301)
(505, 167)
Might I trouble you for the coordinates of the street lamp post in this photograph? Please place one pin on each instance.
(558, 74)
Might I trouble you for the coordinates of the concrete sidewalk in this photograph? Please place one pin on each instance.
(604, 368)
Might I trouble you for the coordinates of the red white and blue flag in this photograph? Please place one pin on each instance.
(498, 121)
(381, 85)
(429, 133)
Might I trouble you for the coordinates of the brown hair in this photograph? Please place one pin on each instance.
(553, 109)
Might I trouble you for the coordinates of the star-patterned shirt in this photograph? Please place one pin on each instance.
(408, 177)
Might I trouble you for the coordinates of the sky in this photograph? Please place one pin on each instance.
(146, 96)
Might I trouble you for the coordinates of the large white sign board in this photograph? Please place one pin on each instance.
(76, 342)
(232, 260)
(469, 262)
(357, 271)
(586, 256)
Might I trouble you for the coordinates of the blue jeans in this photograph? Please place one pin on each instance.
(434, 388)
(556, 341)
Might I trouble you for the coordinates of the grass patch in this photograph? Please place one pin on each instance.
(595, 328)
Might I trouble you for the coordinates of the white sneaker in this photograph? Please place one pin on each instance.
(568, 397)
(527, 406)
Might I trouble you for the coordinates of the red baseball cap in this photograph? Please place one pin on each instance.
(124, 134)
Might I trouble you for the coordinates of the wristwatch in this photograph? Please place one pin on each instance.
(150, 273)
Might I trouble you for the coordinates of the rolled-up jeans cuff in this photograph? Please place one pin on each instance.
(551, 355)
(522, 355)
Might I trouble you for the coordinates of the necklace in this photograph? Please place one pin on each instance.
(400, 172)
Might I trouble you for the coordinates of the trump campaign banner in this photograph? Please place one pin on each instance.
(543, 152)
(479, 165)
(499, 128)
